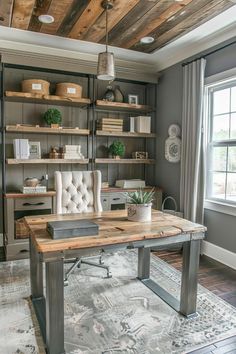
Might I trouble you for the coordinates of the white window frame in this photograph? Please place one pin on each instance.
(222, 79)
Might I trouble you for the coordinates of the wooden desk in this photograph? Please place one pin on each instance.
(114, 230)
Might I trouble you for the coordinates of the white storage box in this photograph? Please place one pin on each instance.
(143, 124)
(130, 183)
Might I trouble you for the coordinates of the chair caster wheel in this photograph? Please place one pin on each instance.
(66, 282)
(109, 275)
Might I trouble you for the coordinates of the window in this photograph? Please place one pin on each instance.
(221, 145)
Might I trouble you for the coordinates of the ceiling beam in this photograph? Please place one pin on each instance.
(22, 11)
(57, 9)
(86, 20)
(98, 30)
(72, 16)
(148, 23)
(41, 8)
(129, 21)
(6, 12)
(203, 12)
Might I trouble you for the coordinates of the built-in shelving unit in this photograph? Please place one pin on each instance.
(47, 161)
(22, 116)
(118, 106)
(124, 161)
(46, 99)
(125, 134)
(45, 130)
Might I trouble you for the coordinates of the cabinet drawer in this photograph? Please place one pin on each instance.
(17, 251)
(118, 199)
(33, 203)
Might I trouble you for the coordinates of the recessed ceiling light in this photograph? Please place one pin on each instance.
(46, 18)
(147, 40)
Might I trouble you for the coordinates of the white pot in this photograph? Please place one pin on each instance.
(139, 212)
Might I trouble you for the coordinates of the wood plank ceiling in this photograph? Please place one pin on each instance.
(128, 21)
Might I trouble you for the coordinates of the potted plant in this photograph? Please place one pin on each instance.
(117, 149)
(53, 117)
(139, 205)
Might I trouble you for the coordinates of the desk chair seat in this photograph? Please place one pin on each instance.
(79, 192)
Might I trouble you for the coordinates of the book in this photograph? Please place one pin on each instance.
(112, 120)
(21, 148)
(71, 228)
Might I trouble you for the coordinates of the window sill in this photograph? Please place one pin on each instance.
(220, 207)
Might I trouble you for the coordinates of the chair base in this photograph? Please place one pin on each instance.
(77, 264)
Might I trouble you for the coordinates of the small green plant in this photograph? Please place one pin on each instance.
(52, 116)
(117, 148)
(140, 197)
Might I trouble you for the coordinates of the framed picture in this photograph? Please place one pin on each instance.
(34, 150)
(133, 99)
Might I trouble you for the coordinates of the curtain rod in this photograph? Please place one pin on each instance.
(212, 52)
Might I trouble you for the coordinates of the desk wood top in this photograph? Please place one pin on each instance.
(114, 228)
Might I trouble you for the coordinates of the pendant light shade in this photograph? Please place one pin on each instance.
(106, 66)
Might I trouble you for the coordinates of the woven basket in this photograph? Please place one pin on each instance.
(171, 211)
(67, 89)
(21, 229)
(35, 86)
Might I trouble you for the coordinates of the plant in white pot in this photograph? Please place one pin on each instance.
(139, 205)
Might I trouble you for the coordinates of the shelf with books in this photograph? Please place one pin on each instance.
(11, 161)
(36, 129)
(124, 161)
(125, 134)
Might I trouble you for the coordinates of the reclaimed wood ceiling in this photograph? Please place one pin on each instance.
(129, 20)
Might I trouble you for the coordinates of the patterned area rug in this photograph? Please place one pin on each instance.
(112, 316)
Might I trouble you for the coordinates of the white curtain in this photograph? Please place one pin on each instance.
(192, 179)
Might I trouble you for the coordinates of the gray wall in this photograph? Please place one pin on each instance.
(221, 227)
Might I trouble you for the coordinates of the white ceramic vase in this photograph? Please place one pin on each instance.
(139, 212)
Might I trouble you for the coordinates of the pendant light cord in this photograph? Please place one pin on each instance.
(107, 28)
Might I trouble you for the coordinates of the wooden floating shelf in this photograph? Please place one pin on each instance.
(45, 130)
(122, 106)
(125, 161)
(46, 99)
(47, 161)
(125, 134)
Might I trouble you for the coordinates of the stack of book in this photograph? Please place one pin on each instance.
(72, 152)
(33, 190)
(21, 148)
(110, 124)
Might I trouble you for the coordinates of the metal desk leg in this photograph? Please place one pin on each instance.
(36, 273)
(143, 263)
(55, 307)
(188, 299)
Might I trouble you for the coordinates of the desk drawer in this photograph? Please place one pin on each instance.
(33, 203)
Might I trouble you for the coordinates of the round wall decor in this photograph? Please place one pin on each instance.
(173, 144)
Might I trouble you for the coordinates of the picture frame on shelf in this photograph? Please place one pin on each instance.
(34, 150)
(133, 99)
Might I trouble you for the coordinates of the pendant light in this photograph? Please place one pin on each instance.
(106, 66)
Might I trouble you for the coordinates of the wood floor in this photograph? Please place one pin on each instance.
(219, 279)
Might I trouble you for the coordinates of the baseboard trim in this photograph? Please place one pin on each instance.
(219, 254)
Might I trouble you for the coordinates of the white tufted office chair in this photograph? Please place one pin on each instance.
(79, 192)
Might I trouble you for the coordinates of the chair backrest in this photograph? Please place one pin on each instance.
(78, 191)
